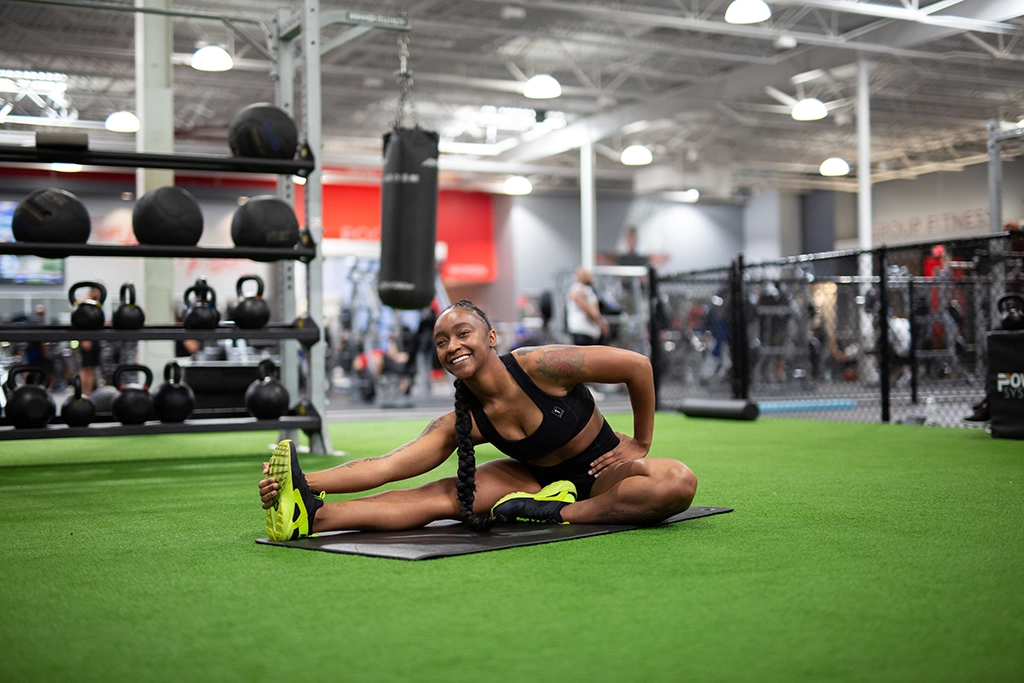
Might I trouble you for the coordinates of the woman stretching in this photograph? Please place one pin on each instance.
(565, 463)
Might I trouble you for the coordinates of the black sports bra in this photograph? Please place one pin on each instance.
(564, 418)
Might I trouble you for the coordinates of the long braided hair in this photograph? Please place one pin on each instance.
(466, 479)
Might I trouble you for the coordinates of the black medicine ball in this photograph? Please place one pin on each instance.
(51, 215)
(167, 215)
(264, 131)
(265, 221)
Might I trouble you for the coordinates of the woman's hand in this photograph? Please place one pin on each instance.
(269, 488)
(629, 449)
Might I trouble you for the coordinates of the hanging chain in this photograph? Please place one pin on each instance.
(404, 76)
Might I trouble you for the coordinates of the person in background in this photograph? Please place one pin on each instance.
(583, 312)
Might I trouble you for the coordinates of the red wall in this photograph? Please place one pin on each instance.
(464, 222)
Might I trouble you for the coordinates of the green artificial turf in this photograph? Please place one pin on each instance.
(856, 552)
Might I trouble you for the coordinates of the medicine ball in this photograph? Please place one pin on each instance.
(265, 221)
(167, 215)
(51, 215)
(1011, 309)
(264, 131)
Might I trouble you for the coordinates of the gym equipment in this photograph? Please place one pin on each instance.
(51, 215)
(78, 410)
(88, 313)
(167, 215)
(449, 537)
(29, 406)
(128, 316)
(1004, 384)
(103, 398)
(174, 400)
(250, 312)
(728, 409)
(202, 313)
(134, 405)
(265, 221)
(264, 131)
(806, 405)
(266, 398)
(1011, 311)
(408, 227)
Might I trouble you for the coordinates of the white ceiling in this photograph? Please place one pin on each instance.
(705, 96)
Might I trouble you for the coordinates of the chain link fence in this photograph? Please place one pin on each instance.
(809, 336)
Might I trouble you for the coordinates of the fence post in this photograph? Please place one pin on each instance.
(883, 329)
(738, 346)
(654, 331)
(911, 316)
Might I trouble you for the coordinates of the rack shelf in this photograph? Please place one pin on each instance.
(244, 424)
(62, 250)
(185, 162)
(307, 334)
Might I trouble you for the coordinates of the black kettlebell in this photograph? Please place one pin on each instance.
(128, 316)
(201, 313)
(88, 313)
(266, 398)
(134, 405)
(174, 400)
(78, 410)
(29, 406)
(251, 312)
(1011, 309)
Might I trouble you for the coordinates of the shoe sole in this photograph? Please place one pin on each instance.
(281, 513)
(557, 491)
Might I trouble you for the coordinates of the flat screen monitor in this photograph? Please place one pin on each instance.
(29, 270)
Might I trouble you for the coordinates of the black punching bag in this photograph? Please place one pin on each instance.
(408, 222)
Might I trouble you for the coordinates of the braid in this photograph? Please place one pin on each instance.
(466, 484)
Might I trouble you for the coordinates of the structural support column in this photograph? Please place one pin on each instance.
(312, 111)
(868, 366)
(588, 206)
(154, 102)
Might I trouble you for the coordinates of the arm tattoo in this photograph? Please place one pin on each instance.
(561, 363)
(379, 457)
(434, 424)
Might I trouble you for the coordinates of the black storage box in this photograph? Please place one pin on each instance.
(1005, 383)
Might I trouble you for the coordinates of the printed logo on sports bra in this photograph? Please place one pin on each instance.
(557, 412)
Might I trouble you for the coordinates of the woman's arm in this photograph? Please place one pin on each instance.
(558, 368)
(422, 454)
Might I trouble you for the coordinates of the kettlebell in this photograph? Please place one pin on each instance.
(1011, 309)
(134, 405)
(78, 410)
(88, 313)
(29, 406)
(201, 313)
(266, 398)
(128, 316)
(174, 399)
(251, 312)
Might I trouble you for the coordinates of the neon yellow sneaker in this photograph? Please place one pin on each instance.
(291, 515)
(543, 507)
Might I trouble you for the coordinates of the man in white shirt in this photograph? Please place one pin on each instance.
(583, 315)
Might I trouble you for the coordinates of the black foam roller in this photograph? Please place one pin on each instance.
(735, 409)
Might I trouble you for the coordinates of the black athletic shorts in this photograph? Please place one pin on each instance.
(576, 469)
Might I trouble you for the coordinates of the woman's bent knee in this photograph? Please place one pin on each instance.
(676, 485)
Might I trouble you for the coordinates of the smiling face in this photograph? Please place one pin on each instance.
(463, 341)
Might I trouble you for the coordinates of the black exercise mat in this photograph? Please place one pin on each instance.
(445, 538)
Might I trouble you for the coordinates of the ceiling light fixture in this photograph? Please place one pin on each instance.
(542, 87)
(122, 122)
(518, 185)
(211, 58)
(809, 109)
(636, 155)
(690, 196)
(834, 167)
(747, 12)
